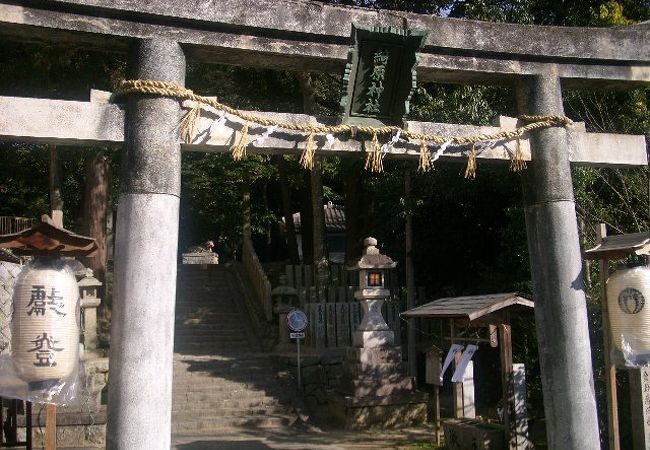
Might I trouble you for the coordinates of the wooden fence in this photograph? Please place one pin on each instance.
(11, 224)
(341, 286)
(257, 277)
(332, 310)
(332, 324)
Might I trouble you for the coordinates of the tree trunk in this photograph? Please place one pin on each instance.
(319, 243)
(56, 198)
(287, 212)
(353, 193)
(246, 207)
(95, 210)
(410, 277)
(306, 221)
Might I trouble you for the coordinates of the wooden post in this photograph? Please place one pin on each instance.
(640, 413)
(436, 398)
(56, 198)
(50, 410)
(410, 281)
(610, 369)
(459, 411)
(50, 427)
(28, 425)
(505, 351)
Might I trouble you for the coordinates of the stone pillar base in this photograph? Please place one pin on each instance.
(373, 339)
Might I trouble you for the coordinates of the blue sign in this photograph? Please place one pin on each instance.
(296, 320)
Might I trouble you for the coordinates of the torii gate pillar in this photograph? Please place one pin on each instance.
(558, 285)
(142, 334)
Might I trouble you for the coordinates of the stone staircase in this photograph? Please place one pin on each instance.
(222, 380)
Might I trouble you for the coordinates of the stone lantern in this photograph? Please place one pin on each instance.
(374, 389)
(285, 298)
(373, 267)
(90, 301)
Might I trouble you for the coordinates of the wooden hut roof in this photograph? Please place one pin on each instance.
(469, 307)
(620, 246)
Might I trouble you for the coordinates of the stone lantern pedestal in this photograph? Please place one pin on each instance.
(285, 298)
(375, 390)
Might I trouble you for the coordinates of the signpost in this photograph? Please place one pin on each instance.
(297, 322)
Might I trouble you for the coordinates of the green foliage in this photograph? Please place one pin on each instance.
(544, 12)
(23, 180)
(211, 204)
(469, 104)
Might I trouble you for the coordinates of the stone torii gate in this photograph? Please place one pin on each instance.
(300, 35)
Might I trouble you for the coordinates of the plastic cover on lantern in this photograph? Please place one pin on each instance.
(42, 363)
(628, 292)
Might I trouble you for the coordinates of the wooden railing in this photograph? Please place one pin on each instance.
(260, 283)
(11, 224)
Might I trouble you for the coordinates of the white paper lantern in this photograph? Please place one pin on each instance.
(45, 323)
(628, 294)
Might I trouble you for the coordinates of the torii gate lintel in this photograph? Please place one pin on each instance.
(100, 123)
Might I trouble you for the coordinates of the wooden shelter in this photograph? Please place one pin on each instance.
(492, 312)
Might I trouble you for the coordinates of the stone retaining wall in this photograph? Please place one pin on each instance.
(320, 374)
(80, 425)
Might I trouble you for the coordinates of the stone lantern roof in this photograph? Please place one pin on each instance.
(371, 258)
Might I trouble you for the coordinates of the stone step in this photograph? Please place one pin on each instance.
(201, 328)
(217, 395)
(206, 332)
(216, 347)
(204, 294)
(213, 315)
(216, 303)
(210, 367)
(218, 385)
(234, 403)
(224, 423)
(222, 411)
(208, 338)
(184, 385)
(198, 371)
(192, 324)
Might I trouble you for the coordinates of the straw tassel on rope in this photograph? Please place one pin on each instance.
(307, 157)
(470, 170)
(425, 158)
(187, 125)
(239, 149)
(374, 162)
(518, 163)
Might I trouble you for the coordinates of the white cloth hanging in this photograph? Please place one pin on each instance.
(459, 373)
(455, 348)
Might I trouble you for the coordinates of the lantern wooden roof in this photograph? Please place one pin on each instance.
(470, 307)
(620, 246)
(47, 239)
